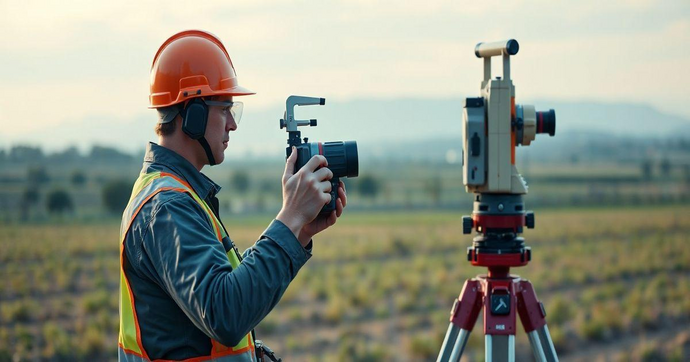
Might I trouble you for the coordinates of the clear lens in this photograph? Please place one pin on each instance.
(236, 111)
(232, 108)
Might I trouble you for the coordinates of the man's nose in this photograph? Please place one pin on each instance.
(230, 124)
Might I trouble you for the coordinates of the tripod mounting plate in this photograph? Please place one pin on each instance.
(477, 258)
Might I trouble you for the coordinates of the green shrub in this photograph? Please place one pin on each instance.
(424, 348)
(25, 339)
(335, 310)
(96, 301)
(592, 330)
(92, 342)
(58, 343)
(115, 195)
(649, 352)
(18, 311)
(59, 201)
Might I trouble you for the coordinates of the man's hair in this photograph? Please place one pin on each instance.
(165, 113)
(166, 129)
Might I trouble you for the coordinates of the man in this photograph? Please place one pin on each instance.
(185, 291)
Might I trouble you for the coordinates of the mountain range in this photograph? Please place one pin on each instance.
(383, 128)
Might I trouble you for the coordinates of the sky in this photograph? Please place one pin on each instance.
(88, 62)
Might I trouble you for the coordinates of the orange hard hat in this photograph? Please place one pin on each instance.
(191, 64)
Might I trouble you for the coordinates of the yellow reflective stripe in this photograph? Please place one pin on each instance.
(128, 329)
(128, 339)
(232, 257)
(220, 233)
(144, 180)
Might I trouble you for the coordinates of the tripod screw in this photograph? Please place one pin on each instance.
(467, 224)
(529, 220)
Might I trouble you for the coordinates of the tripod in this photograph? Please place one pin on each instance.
(498, 219)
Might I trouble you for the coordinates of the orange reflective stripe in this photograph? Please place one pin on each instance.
(166, 174)
(129, 351)
(228, 352)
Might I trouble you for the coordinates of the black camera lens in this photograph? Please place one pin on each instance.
(342, 158)
(546, 122)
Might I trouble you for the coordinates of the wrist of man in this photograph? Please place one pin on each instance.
(292, 223)
(304, 238)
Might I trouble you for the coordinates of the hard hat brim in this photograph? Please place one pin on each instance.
(164, 100)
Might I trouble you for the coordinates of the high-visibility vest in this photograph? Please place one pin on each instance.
(130, 345)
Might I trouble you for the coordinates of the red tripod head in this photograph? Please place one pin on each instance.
(499, 219)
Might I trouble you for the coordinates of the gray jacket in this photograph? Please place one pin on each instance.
(185, 290)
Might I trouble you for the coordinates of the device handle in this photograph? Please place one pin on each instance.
(290, 123)
(506, 48)
(503, 47)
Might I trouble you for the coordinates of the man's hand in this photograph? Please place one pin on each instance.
(304, 194)
(323, 222)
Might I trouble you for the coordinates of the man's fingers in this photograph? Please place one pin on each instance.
(290, 164)
(325, 186)
(338, 207)
(316, 162)
(332, 218)
(323, 174)
(342, 195)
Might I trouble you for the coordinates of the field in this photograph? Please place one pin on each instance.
(615, 282)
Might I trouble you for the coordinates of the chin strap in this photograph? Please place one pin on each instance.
(207, 149)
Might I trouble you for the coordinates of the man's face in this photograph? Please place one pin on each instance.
(220, 123)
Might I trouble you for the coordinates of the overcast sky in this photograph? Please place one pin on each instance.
(90, 60)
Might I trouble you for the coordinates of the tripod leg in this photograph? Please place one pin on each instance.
(499, 347)
(462, 318)
(448, 343)
(533, 317)
(542, 345)
(453, 344)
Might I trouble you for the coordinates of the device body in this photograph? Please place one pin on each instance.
(342, 156)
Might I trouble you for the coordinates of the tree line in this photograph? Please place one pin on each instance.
(23, 154)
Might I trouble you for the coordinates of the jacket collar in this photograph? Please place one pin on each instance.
(159, 155)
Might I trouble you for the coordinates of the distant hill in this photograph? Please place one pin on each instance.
(380, 126)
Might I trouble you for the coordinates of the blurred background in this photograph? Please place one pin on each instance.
(610, 191)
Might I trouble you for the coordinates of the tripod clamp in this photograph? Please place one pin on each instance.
(290, 123)
(264, 354)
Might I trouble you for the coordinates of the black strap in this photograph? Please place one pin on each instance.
(215, 207)
(207, 148)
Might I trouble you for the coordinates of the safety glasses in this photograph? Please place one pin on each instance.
(233, 109)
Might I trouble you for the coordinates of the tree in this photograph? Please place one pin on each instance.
(434, 188)
(30, 197)
(78, 178)
(25, 154)
(665, 167)
(240, 181)
(108, 154)
(115, 194)
(369, 186)
(59, 201)
(646, 170)
(37, 175)
(69, 155)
